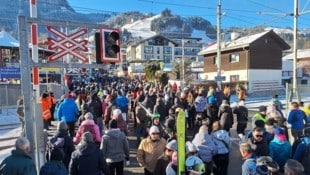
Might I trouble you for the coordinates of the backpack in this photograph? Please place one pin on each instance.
(55, 147)
(88, 128)
(306, 159)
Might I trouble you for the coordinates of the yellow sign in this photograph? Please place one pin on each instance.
(51, 69)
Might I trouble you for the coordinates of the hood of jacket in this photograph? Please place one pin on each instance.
(88, 122)
(86, 148)
(114, 133)
(224, 108)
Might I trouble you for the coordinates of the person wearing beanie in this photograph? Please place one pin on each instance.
(68, 146)
(280, 149)
(154, 144)
(121, 123)
(68, 112)
(225, 116)
(261, 115)
(165, 158)
(88, 125)
(172, 167)
(156, 122)
(54, 165)
(115, 147)
(88, 159)
(206, 147)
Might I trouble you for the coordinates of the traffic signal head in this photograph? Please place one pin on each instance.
(111, 47)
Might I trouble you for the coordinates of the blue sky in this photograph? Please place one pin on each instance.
(238, 13)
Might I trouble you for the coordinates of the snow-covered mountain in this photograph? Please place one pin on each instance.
(141, 28)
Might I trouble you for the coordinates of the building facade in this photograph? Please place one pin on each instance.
(253, 61)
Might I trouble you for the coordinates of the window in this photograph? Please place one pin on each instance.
(167, 58)
(167, 50)
(178, 51)
(214, 60)
(148, 56)
(234, 78)
(158, 50)
(234, 57)
(148, 49)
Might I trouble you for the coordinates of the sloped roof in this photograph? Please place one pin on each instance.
(155, 36)
(238, 43)
(305, 53)
(6, 40)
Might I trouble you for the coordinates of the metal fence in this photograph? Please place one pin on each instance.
(9, 93)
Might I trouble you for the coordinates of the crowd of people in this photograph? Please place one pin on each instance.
(91, 136)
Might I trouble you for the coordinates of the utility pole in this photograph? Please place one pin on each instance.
(295, 89)
(218, 36)
(183, 66)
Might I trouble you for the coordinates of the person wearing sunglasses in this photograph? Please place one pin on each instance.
(258, 142)
(165, 158)
(150, 149)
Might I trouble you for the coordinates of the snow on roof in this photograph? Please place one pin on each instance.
(6, 40)
(240, 42)
(141, 28)
(305, 53)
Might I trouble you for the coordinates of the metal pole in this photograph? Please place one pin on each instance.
(183, 66)
(296, 14)
(218, 57)
(35, 48)
(26, 78)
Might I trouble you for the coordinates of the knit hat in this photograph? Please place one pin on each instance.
(89, 116)
(241, 103)
(190, 147)
(116, 112)
(278, 131)
(153, 129)
(262, 108)
(113, 124)
(172, 145)
(88, 137)
(155, 115)
(62, 125)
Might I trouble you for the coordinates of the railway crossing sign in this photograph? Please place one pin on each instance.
(67, 44)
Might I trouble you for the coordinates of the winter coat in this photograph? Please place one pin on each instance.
(242, 114)
(96, 132)
(46, 105)
(88, 160)
(95, 107)
(162, 162)
(160, 108)
(259, 148)
(68, 110)
(114, 146)
(296, 119)
(122, 102)
(121, 123)
(68, 145)
(18, 163)
(141, 116)
(249, 166)
(205, 145)
(200, 103)
(226, 117)
(53, 167)
(149, 151)
(221, 141)
(280, 150)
